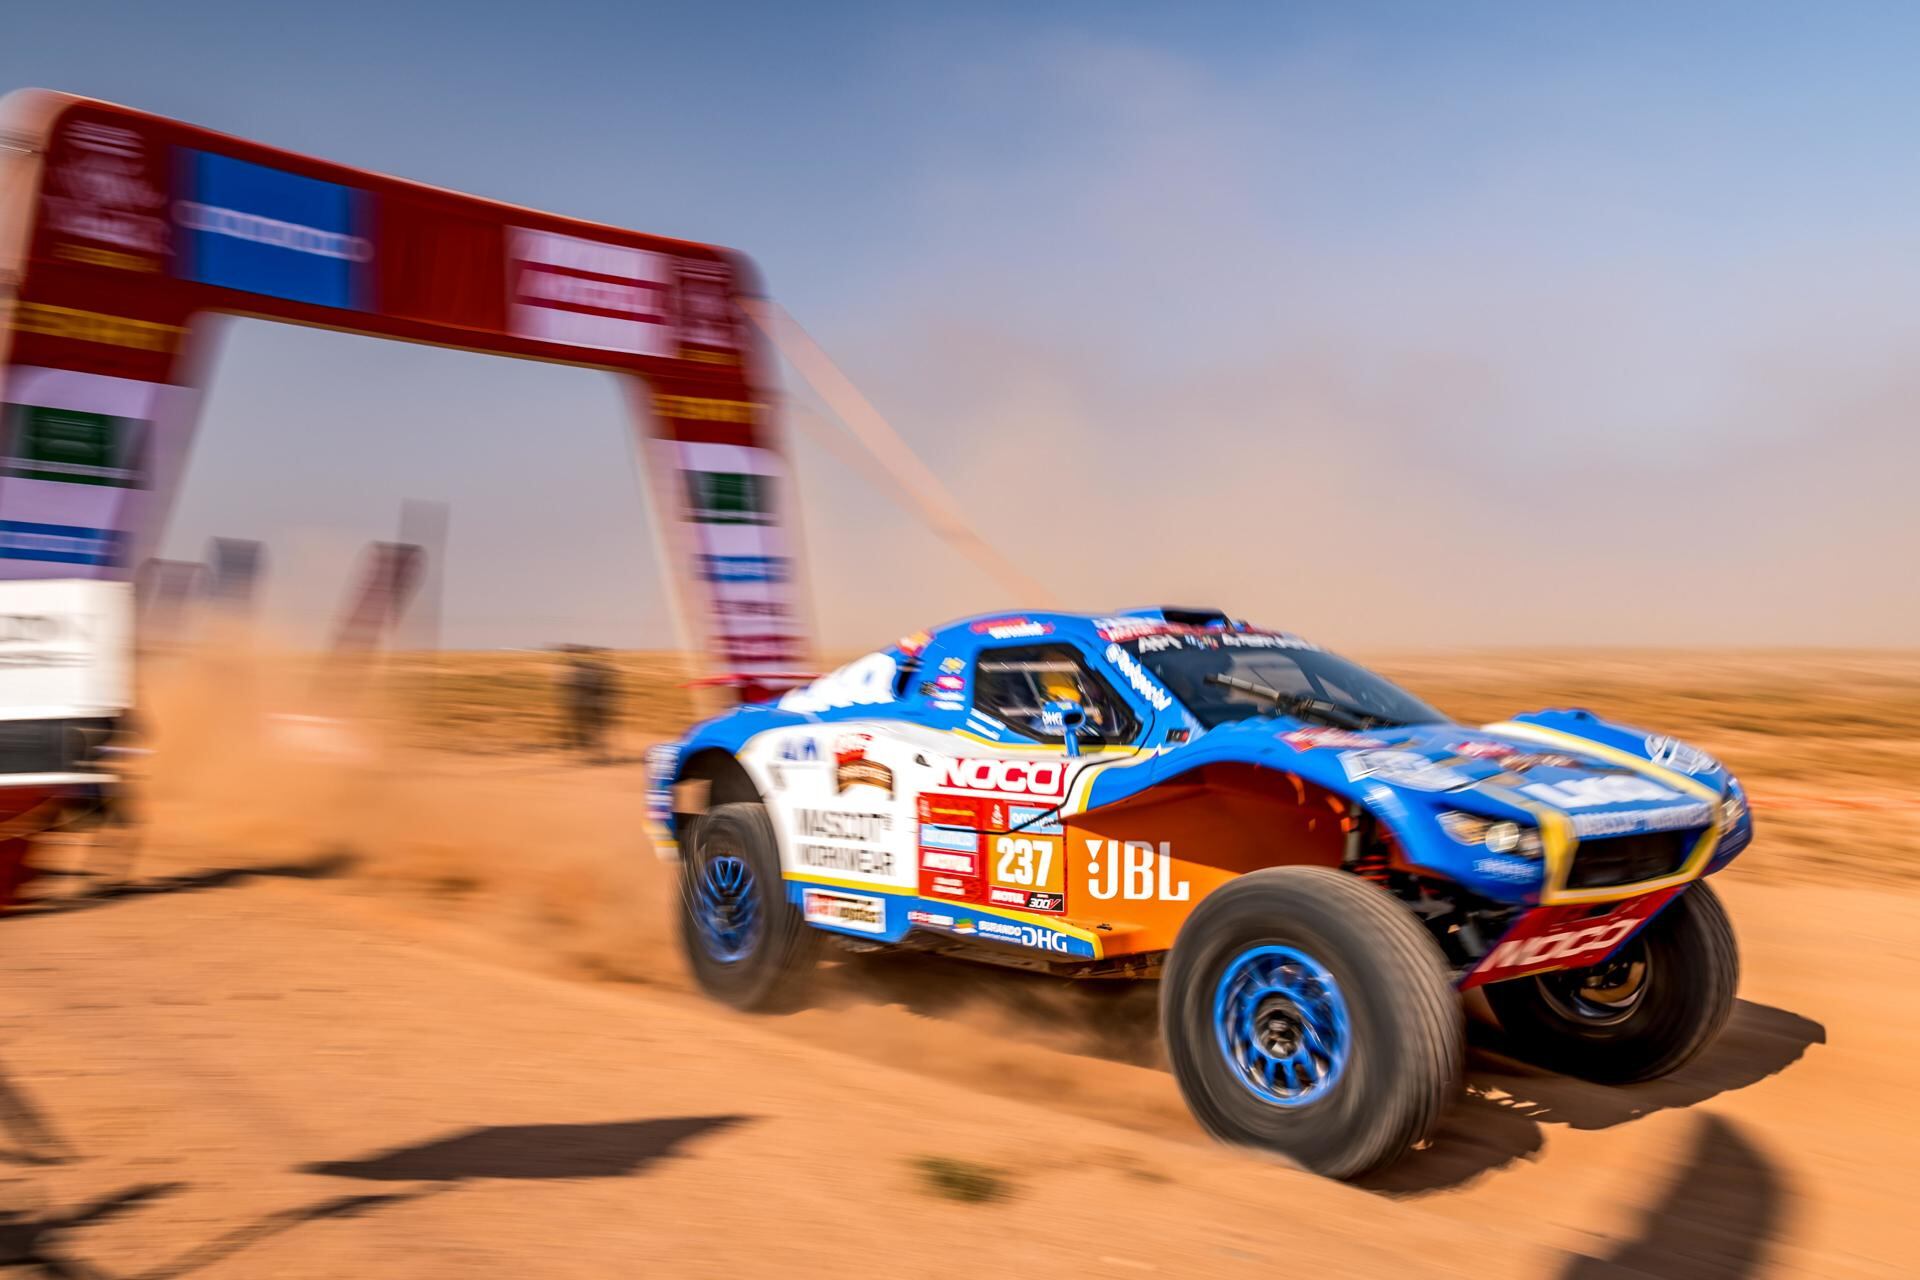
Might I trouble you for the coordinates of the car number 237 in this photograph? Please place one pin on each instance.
(1023, 861)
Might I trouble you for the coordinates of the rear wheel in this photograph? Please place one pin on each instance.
(746, 944)
(1308, 1013)
(1647, 1011)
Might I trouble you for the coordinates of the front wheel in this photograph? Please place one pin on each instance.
(1308, 1013)
(747, 945)
(1643, 1013)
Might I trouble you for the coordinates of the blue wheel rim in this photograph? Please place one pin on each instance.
(1282, 1025)
(726, 907)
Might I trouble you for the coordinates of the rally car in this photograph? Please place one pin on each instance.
(1312, 861)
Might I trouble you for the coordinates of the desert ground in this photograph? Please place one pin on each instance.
(385, 984)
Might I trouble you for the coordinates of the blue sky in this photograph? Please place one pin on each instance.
(1528, 323)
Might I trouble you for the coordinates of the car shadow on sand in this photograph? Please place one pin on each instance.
(324, 866)
(614, 1149)
(1508, 1105)
(1715, 1216)
(44, 1239)
(1503, 1117)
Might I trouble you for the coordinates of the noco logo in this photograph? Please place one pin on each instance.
(1545, 939)
(1017, 777)
(1567, 943)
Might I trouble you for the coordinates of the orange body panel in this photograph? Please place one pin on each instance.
(1137, 869)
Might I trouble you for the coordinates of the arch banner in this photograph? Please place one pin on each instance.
(124, 236)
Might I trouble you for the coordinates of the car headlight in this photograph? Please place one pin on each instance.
(1733, 807)
(1496, 835)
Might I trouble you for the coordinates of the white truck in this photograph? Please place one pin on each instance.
(66, 673)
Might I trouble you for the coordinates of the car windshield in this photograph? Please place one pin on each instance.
(1239, 675)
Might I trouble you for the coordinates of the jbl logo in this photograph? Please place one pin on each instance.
(1134, 870)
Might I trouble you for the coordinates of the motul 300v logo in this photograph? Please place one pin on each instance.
(1017, 777)
(1562, 938)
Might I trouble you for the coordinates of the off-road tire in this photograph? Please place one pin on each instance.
(773, 974)
(1406, 1035)
(1693, 972)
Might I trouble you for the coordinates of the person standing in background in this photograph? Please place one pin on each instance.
(588, 695)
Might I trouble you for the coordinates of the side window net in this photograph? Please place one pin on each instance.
(1014, 684)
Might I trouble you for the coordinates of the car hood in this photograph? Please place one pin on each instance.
(1607, 779)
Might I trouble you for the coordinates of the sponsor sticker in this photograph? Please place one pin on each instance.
(957, 839)
(245, 226)
(859, 860)
(662, 764)
(1025, 863)
(708, 316)
(72, 446)
(728, 497)
(1134, 871)
(1259, 640)
(959, 864)
(1671, 753)
(1564, 938)
(60, 543)
(1640, 821)
(1011, 628)
(1018, 777)
(105, 198)
(1512, 870)
(942, 885)
(842, 824)
(722, 568)
(1343, 739)
(1031, 935)
(1137, 678)
(934, 918)
(584, 293)
(49, 321)
(705, 409)
(1586, 793)
(984, 725)
(1124, 628)
(1407, 769)
(1026, 817)
(858, 912)
(971, 812)
(852, 768)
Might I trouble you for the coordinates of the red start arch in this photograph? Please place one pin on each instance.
(123, 234)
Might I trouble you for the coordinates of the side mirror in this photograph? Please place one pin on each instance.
(1066, 718)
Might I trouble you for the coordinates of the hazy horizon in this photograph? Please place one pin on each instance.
(1400, 327)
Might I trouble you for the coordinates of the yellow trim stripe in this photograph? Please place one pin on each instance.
(1613, 755)
(1556, 828)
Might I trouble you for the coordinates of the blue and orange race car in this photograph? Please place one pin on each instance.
(1312, 861)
